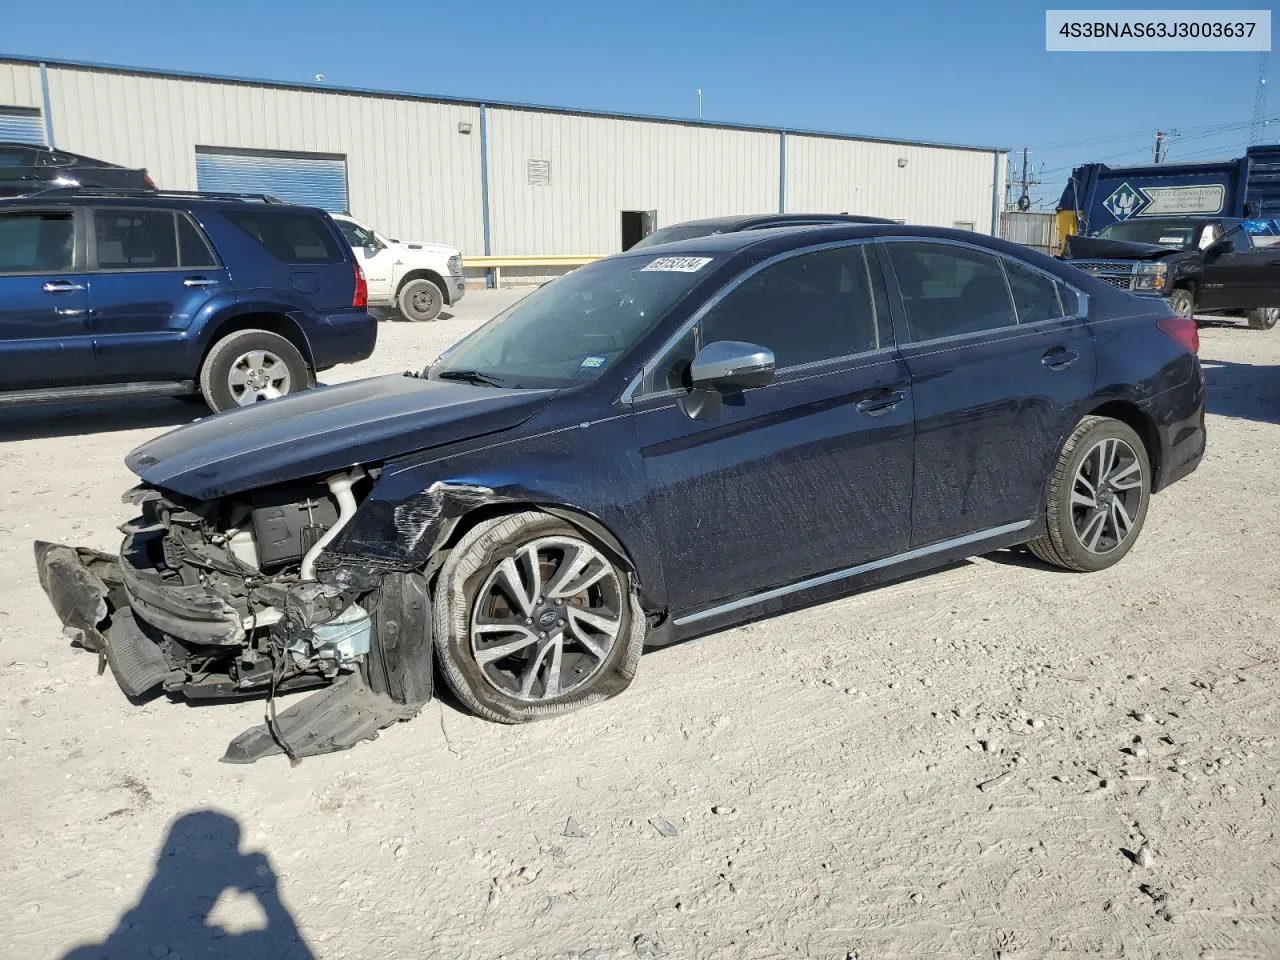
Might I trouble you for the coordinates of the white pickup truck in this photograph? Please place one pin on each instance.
(417, 279)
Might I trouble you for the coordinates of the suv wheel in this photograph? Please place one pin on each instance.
(1264, 318)
(250, 366)
(532, 620)
(1097, 497)
(1183, 302)
(420, 300)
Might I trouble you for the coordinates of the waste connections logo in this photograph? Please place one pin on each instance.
(1125, 202)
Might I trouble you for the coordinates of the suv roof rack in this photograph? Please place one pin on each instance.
(130, 192)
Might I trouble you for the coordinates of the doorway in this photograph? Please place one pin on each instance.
(636, 225)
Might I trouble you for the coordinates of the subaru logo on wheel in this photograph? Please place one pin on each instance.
(547, 618)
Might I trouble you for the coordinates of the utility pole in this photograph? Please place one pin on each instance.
(1257, 125)
(1026, 183)
(1161, 149)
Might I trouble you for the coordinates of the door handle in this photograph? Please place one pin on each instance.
(199, 282)
(62, 286)
(880, 404)
(1059, 359)
(70, 312)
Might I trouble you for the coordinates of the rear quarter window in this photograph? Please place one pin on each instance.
(289, 236)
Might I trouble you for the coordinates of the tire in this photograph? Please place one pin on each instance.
(230, 379)
(1264, 318)
(518, 688)
(1183, 302)
(420, 300)
(1071, 526)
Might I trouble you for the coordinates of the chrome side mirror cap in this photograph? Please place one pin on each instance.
(729, 365)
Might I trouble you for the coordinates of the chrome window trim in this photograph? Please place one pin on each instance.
(1082, 299)
(629, 394)
(836, 575)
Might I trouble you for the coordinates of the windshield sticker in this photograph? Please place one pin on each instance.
(592, 362)
(1177, 240)
(677, 264)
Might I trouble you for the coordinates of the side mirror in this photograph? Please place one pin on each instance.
(1216, 249)
(373, 248)
(729, 365)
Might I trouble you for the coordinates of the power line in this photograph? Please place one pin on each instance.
(1258, 124)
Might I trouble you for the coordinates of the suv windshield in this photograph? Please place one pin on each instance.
(1175, 234)
(572, 330)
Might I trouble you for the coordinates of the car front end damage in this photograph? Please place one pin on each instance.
(237, 596)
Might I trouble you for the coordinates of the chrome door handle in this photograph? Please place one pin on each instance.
(1060, 359)
(880, 405)
(70, 312)
(62, 286)
(199, 282)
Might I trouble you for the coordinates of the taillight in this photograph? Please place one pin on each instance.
(361, 299)
(1184, 330)
(146, 178)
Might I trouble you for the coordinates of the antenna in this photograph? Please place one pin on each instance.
(1257, 125)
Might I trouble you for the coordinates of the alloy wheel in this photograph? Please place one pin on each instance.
(1106, 495)
(546, 618)
(258, 375)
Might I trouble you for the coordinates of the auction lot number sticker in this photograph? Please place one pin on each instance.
(677, 264)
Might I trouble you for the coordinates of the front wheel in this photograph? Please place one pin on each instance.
(1097, 497)
(1182, 302)
(1264, 318)
(532, 620)
(420, 300)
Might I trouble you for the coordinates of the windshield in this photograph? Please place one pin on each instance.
(1175, 234)
(681, 231)
(572, 330)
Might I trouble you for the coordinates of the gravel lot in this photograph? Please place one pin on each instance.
(998, 760)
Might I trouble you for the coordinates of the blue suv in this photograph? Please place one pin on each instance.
(235, 298)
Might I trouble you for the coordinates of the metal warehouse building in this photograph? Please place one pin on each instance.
(501, 179)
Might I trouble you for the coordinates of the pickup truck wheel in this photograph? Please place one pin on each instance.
(420, 300)
(532, 621)
(248, 366)
(1182, 302)
(1264, 318)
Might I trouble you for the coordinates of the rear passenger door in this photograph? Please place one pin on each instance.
(152, 272)
(1001, 363)
(44, 331)
(809, 474)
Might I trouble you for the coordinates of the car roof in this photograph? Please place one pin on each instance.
(747, 221)
(107, 198)
(781, 238)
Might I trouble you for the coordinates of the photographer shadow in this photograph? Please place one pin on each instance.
(199, 861)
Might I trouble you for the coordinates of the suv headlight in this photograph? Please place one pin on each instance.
(1151, 276)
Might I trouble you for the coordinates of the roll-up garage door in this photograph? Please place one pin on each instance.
(315, 180)
(24, 126)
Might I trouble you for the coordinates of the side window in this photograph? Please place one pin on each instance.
(1035, 295)
(289, 237)
(193, 249)
(356, 236)
(36, 242)
(1241, 241)
(949, 290)
(807, 308)
(135, 239)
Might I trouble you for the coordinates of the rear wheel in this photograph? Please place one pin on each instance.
(249, 366)
(1183, 302)
(1097, 498)
(420, 300)
(532, 620)
(1264, 318)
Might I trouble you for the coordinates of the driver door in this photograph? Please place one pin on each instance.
(1241, 276)
(374, 257)
(809, 474)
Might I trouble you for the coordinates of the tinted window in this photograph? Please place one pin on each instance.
(1034, 294)
(16, 157)
(949, 290)
(1175, 234)
(1240, 241)
(192, 247)
(36, 242)
(135, 239)
(289, 237)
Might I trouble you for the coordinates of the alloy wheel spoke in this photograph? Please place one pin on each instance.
(1121, 522)
(487, 655)
(530, 675)
(1079, 499)
(239, 376)
(254, 359)
(1093, 529)
(571, 568)
(552, 687)
(513, 586)
(1126, 477)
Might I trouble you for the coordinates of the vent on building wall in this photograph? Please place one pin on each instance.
(539, 172)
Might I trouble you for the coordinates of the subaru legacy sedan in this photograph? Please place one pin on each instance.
(660, 444)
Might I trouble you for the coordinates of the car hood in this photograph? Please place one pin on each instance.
(419, 247)
(324, 430)
(1097, 248)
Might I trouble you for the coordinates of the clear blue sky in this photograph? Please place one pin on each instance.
(929, 69)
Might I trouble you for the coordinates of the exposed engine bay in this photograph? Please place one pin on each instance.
(219, 599)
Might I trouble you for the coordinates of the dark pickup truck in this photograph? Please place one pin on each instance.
(1199, 264)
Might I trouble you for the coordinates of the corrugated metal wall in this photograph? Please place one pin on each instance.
(20, 85)
(937, 186)
(412, 174)
(600, 166)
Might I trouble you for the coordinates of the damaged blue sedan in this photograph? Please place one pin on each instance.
(657, 445)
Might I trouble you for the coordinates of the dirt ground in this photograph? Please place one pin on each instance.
(998, 760)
